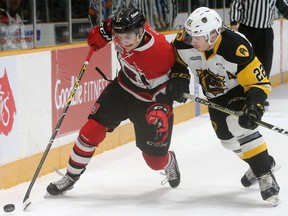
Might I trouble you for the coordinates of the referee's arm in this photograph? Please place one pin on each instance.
(235, 13)
(282, 6)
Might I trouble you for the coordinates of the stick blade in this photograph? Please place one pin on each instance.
(26, 204)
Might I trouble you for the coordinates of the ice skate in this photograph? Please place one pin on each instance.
(172, 173)
(249, 178)
(269, 188)
(62, 185)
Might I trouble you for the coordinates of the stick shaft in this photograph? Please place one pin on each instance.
(60, 120)
(234, 113)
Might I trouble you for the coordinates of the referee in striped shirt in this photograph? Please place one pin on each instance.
(255, 19)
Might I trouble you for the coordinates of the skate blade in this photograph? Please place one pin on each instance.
(48, 195)
(274, 200)
(275, 168)
(26, 204)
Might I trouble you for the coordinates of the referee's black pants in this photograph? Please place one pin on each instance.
(262, 42)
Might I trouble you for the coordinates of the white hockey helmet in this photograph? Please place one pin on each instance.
(202, 21)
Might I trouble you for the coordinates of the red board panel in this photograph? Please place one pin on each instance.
(66, 65)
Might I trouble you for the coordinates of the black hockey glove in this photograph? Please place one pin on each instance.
(252, 113)
(177, 85)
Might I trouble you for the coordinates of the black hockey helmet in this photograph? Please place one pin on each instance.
(127, 20)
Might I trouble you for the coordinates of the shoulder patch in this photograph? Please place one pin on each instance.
(242, 51)
(178, 41)
(180, 35)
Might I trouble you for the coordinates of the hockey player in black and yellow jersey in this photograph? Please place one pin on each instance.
(223, 63)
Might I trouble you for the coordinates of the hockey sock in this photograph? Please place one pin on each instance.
(157, 162)
(80, 156)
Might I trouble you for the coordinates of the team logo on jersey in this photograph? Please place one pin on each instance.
(242, 51)
(211, 82)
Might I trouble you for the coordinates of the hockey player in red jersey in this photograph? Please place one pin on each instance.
(137, 94)
(224, 64)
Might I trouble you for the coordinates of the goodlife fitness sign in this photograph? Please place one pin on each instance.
(66, 65)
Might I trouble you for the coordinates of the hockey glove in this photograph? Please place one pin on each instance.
(158, 115)
(100, 35)
(177, 85)
(252, 113)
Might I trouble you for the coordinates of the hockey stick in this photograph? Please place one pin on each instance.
(26, 201)
(234, 113)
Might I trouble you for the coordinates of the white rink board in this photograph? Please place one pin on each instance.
(29, 76)
(30, 79)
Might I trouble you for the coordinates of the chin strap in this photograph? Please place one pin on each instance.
(212, 43)
(139, 37)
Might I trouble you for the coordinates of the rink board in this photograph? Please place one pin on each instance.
(34, 85)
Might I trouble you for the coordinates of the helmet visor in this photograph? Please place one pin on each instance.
(188, 38)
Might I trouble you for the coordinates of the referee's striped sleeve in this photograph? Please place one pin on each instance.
(235, 12)
(255, 13)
